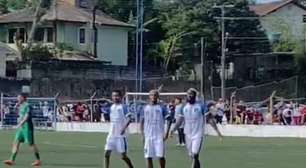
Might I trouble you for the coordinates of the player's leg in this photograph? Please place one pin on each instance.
(195, 161)
(15, 150)
(195, 150)
(181, 136)
(122, 148)
(29, 139)
(107, 155)
(109, 147)
(160, 152)
(127, 160)
(148, 152)
(19, 138)
(149, 162)
(37, 156)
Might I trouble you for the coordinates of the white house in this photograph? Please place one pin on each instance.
(285, 18)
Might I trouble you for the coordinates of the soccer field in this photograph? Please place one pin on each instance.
(85, 150)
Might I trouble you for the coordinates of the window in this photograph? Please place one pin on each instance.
(39, 35)
(50, 35)
(21, 35)
(17, 34)
(82, 36)
(84, 4)
(11, 35)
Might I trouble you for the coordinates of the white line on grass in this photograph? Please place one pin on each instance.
(68, 145)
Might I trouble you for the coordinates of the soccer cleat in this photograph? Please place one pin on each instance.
(36, 163)
(8, 162)
(182, 145)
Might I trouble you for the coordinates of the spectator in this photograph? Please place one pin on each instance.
(45, 110)
(258, 118)
(220, 106)
(96, 113)
(297, 115)
(79, 110)
(105, 110)
(303, 115)
(86, 114)
(250, 113)
(227, 111)
(67, 113)
(240, 109)
(287, 115)
(178, 109)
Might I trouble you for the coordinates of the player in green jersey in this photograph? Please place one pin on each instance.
(25, 131)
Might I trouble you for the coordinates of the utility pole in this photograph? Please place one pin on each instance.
(95, 30)
(141, 44)
(137, 48)
(202, 66)
(223, 47)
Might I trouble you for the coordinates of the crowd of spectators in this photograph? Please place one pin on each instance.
(283, 113)
(82, 112)
(238, 112)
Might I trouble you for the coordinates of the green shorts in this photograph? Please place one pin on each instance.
(24, 136)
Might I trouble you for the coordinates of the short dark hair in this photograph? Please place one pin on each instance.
(192, 90)
(24, 95)
(117, 91)
(179, 99)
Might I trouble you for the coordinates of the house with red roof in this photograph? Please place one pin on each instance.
(282, 19)
(70, 22)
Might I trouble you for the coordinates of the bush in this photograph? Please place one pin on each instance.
(37, 53)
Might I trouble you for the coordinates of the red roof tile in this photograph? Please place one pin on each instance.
(62, 11)
(267, 8)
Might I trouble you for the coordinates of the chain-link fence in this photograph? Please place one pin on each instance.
(43, 112)
(286, 88)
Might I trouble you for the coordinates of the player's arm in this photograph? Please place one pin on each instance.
(178, 123)
(141, 125)
(213, 124)
(128, 115)
(211, 120)
(25, 118)
(169, 123)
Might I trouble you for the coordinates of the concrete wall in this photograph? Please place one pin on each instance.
(288, 21)
(113, 45)
(82, 79)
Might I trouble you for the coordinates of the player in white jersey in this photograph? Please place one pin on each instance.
(116, 140)
(193, 116)
(152, 128)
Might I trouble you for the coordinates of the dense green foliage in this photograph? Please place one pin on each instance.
(173, 28)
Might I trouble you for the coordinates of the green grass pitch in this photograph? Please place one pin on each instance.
(85, 150)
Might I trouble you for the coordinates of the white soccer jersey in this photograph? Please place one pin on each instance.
(194, 120)
(154, 120)
(118, 118)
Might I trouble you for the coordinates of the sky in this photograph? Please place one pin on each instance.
(265, 1)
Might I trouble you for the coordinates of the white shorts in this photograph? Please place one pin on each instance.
(117, 144)
(154, 148)
(193, 145)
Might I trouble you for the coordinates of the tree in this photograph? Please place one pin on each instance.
(17, 4)
(3, 6)
(39, 8)
(198, 17)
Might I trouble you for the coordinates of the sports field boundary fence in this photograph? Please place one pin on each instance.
(285, 88)
(43, 111)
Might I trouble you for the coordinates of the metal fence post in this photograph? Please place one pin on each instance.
(2, 110)
(91, 106)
